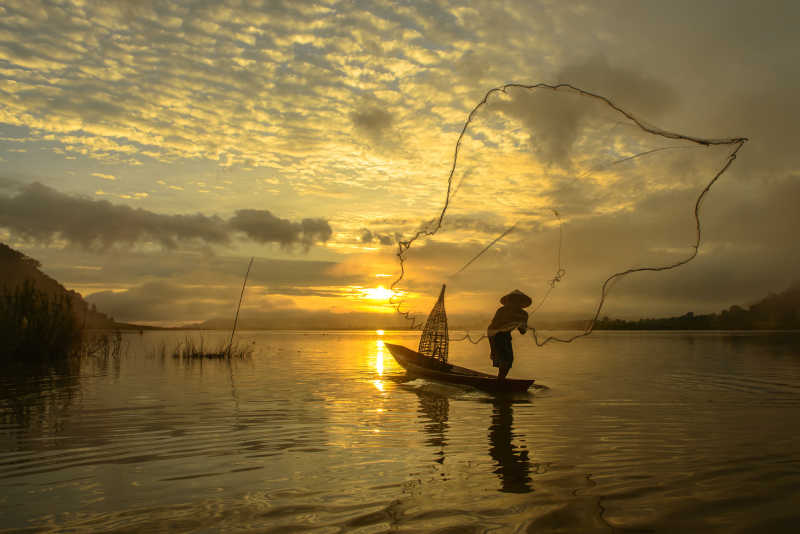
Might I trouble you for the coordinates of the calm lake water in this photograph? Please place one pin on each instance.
(322, 432)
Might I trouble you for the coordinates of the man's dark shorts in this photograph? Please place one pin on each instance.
(502, 353)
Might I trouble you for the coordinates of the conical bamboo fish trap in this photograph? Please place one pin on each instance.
(434, 341)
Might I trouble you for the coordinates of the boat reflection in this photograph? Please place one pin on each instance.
(435, 410)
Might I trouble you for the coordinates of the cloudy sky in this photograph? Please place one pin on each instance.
(148, 149)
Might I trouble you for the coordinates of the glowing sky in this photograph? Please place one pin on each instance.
(149, 148)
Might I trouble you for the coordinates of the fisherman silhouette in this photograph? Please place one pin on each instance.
(508, 317)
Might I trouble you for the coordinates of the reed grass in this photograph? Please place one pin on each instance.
(192, 349)
(102, 344)
(37, 327)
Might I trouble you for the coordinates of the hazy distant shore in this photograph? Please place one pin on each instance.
(134, 327)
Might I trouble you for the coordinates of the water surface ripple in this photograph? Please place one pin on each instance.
(323, 432)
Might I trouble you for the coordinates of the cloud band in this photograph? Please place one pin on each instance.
(42, 214)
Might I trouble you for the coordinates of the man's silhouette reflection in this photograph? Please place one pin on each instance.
(513, 466)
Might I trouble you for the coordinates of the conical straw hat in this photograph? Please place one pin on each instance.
(517, 298)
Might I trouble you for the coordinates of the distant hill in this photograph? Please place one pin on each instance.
(325, 320)
(307, 320)
(16, 268)
(779, 311)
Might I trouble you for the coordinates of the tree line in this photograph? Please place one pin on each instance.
(776, 311)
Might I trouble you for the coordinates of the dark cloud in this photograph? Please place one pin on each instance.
(79, 267)
(305, 291)
(368, 237)
(263, 227)
(633, 90)
(372, 122)
(163, 301)
(172, 300)
(769, 117)
(554, 122)
(558, 120)
(42, 214)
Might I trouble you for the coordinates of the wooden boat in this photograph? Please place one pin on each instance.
(420, 365)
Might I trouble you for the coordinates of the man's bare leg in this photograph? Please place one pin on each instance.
(502, 371)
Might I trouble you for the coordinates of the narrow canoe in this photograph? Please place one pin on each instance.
(420, 365)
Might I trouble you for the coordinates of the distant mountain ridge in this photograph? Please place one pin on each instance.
(317, 320)
(17, 268)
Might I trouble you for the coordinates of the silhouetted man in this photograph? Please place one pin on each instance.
(508, 317)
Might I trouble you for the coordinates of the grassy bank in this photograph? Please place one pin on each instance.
(41, 328)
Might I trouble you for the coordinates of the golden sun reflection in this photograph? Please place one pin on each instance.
(379, 357)
(379, 361)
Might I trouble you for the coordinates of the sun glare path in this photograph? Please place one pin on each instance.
(379, 358)
(379, 361)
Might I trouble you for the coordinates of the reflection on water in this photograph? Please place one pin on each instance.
(435, 409)
(379, 348)
(34, 396)
(324, 432)
(513, 464)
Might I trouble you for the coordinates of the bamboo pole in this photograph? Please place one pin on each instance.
(236, 318)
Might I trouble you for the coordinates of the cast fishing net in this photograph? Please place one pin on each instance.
(562, 193)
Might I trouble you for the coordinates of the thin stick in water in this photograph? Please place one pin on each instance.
(236, 318)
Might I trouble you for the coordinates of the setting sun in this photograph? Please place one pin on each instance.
(377, 293)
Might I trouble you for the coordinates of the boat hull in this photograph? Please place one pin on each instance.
(420, 365)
